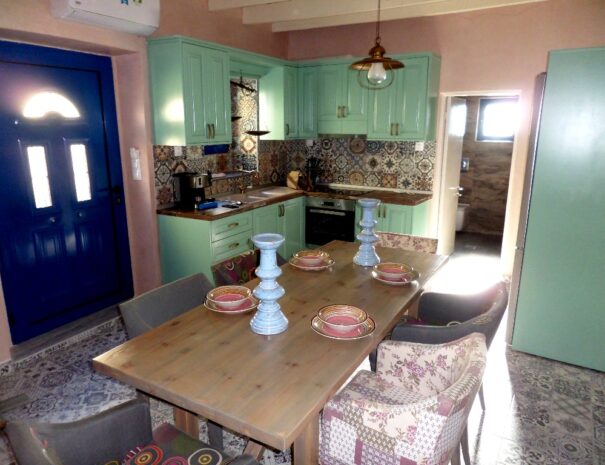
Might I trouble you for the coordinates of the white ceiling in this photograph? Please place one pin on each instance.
(292, 15)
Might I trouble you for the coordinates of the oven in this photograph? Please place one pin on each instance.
(328, 219)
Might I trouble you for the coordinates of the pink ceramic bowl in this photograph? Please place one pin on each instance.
(311, 257)
(342, 319)
(395, 272)
(229, 297)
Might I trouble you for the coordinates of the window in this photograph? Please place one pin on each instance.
(36, 156)
(79, 165)
(42, 103)
(497, 119)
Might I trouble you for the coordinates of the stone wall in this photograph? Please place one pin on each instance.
(486, 182)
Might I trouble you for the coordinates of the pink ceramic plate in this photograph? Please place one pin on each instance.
(394, 282)
(296, 263)
(362, 330)
(229, 297)
(340, 318)
(249, 304)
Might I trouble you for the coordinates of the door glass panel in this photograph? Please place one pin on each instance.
(43, 103)
(80, 167)
(36, 156)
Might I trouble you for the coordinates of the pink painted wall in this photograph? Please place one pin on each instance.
(500, 49)
(192, 18)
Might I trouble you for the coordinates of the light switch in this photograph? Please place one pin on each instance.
(135, 163)
(419, 146)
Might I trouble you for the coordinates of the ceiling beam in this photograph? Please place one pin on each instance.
(216, 5)
(310, 14)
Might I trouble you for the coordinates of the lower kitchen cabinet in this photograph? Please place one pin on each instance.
(401, 219)
(189, 246)
(285, 218)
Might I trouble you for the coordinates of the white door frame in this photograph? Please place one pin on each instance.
(438, 187)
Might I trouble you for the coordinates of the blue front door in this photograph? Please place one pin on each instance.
(63, 239)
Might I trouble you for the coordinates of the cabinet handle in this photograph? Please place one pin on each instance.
(397, 128)
(338, 111)
(280, 209)
(233, 225)
(208, 132)
(235, 245)
(213, 131)
(287, 129)
(392, 124)
(345, 111)
(384, 211)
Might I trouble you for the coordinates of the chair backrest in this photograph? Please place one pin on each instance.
(449, 376)
(159, 305)
(474, 313)
(235, 270)
(407, 242)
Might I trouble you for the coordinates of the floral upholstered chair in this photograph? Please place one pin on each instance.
(407, 242)
(238, 269)
(413, 410)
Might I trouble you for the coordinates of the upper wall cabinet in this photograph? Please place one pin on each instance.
(342, 101)
(288, 103)
(189, 92)
(407, 109)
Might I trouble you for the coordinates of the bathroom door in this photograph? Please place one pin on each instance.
(455, 125)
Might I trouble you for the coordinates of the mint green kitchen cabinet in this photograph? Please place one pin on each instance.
(401, 219)
(285, 218)
(189, 246)
(189, 93)
(406, 110)
(307, 102)
(288, 103)
(342, 102)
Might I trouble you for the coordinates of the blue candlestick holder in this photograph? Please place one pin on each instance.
(367, 256)
(268, 318)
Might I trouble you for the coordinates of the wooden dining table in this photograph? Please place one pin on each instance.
(270, 389)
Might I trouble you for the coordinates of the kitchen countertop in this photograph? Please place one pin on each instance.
(258, 198)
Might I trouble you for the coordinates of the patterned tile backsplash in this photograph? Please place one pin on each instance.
(342, 160)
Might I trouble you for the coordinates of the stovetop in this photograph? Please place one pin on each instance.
(336, 190)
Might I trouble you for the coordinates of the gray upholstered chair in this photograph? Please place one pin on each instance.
(164, 303)
(151, 309)
(109, 437)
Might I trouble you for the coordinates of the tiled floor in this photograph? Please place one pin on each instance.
(537, 411)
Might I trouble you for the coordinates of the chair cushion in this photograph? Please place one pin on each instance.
(236, 270)
(171, 446)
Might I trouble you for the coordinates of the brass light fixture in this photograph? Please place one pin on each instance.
(376, 71)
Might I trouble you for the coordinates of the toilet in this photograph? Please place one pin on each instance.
(461, 215)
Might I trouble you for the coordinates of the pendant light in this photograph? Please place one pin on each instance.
(376, 71)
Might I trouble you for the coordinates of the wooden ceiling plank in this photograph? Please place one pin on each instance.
(415, 11)
(217, 5)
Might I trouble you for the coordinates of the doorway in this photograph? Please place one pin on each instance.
(63, 237)
(476, 163)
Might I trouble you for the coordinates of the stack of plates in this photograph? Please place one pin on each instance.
(230, 300)
(311, 260)
(343, 322)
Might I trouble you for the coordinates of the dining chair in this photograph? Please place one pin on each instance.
(407, 242)
(239, 269)
(121, 434)
(413, 409)
(151, 309)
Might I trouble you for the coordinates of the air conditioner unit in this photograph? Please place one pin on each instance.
(140, 17)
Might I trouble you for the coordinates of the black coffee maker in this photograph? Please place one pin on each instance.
(189, 189)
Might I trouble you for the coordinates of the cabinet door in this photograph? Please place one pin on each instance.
(396, 219)
(307, 102)
(330, 90)
(197, 129)
(411, 106)
(382, 110)
(290, 103)
(265, 219)
(355, 111)
(217, 97)
(291, 227)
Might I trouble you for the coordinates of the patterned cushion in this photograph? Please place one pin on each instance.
(236, 270)
(393, 417)
(407, 242)
(172, 447)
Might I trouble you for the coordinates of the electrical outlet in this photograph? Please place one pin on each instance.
(419, 146)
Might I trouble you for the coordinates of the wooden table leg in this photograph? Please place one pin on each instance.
(254, 449)
(306, 446)
(186, 421)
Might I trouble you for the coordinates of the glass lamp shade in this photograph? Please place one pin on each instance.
(377, 74)
(376, 71)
